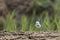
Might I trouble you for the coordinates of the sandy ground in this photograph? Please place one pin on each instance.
(29, 36)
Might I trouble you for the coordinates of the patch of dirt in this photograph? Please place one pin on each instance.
(29, 36)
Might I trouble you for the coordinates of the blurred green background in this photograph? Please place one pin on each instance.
(46, 25)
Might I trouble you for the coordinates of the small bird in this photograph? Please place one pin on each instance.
(37, 24)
